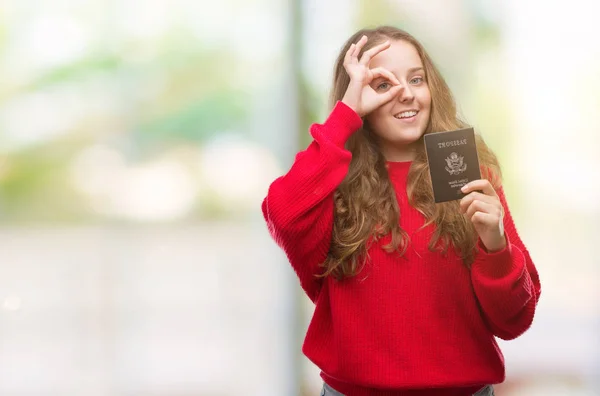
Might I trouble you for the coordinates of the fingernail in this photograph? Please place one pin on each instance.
(464, 188)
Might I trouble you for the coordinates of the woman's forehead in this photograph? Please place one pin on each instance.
(400, 57)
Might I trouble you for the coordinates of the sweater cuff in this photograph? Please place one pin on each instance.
(497, 264)
(342, 123)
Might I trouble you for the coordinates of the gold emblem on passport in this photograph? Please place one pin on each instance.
(456, 165)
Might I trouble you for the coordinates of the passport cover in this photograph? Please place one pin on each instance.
(453, 162)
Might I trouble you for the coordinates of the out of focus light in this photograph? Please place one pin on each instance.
(237, 171)
(36, 117)
(68, 35)
(95, 168)
(160, 190)
(11, 303)
(44, 115)
(163, 189)
(153, 22)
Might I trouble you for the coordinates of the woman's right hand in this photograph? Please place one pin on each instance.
(360, 96)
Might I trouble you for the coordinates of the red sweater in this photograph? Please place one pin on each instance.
(423, 324)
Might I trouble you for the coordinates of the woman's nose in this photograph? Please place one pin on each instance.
(406, 94)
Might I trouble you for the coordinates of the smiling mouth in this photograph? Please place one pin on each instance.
(406, 114)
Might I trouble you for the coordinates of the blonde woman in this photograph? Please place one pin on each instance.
(409, 295)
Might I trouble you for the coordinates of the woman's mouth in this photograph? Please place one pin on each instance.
(407, 116)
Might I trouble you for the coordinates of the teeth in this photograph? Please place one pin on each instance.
(406, 114)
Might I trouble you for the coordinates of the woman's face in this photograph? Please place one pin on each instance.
(400, 123)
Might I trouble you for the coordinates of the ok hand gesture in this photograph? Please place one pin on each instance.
(360, 96)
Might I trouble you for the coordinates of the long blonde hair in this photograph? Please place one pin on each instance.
(366, 207)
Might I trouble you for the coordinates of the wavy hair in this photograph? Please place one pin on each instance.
(366, 206)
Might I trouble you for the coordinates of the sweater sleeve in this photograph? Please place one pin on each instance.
(506, 283)
(299, 207)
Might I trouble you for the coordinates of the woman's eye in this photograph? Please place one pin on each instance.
(383, 86)
(416, 80)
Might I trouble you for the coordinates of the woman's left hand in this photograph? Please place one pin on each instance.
(485, 211)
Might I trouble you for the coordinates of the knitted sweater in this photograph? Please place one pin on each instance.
(420, 324)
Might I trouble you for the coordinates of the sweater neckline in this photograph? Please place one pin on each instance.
(398, 165)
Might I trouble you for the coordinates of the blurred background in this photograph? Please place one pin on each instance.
(138, 138)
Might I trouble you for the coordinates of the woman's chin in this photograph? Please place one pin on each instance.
(407, 136)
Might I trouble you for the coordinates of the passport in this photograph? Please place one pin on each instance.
(453, 162)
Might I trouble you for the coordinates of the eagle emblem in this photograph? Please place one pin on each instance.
(456, 166)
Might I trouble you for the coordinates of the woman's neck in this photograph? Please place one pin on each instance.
(400, 153)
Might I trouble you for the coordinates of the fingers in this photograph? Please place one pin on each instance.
(477, 196)
(481, 184)
(381, 72)
(490, 230)
(388, 95)
(368, 55)
(483, 208)
(359, 45)
(484, 219)
(348, 56)
(352, 53)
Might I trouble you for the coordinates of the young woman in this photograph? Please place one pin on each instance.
(409, 294)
